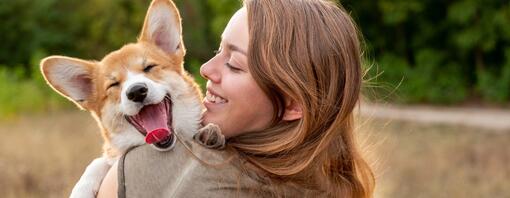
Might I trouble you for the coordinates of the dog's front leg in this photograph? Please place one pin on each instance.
(90, 181)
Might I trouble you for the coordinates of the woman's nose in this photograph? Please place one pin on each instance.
(209, 71)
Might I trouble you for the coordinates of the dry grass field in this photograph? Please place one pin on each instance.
(416, 160)
(44, 155)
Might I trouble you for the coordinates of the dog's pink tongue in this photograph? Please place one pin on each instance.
(154, 120)
(156, 136)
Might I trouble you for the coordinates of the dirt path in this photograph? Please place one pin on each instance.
(492, 119)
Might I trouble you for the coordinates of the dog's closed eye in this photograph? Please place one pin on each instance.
(115, 84)
(149, 67)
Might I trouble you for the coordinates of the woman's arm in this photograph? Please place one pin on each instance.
(109, 185)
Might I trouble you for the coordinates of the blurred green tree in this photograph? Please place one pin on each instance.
(438, 51)
(432, 51)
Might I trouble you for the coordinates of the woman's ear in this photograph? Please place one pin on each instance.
(293, 111)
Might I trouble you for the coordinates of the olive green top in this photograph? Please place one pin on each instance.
(146, 172)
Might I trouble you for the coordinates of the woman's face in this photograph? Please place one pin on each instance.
(233, 100)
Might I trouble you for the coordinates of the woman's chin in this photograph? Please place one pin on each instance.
(208, 117)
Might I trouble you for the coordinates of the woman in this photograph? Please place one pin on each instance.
(282, 89)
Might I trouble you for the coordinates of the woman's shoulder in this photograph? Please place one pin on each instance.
(188, 170)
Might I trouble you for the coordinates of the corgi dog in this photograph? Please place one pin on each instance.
(138, 94)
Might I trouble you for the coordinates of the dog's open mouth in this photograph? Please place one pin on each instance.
(155, 123)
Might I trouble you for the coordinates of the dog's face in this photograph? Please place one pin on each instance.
(139, 87)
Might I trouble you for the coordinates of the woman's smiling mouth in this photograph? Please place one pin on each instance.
(211, 97)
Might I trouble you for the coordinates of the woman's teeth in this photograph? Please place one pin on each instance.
(214, 98)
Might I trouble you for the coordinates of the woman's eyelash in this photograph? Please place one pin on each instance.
(231, 67)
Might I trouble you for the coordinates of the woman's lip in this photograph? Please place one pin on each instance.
(214, 93)
(212, 106)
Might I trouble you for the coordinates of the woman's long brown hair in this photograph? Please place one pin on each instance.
(307, 51)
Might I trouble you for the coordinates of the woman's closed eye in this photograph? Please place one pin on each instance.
(233, 68)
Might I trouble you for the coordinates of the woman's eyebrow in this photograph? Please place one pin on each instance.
(234, 48)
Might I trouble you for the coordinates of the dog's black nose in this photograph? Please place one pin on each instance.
(137, 92)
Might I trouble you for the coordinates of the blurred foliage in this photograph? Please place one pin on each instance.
(428, 51)
(89, 29)
(438, 51)
(22, 94)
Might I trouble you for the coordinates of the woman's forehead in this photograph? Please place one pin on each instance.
(236, 32)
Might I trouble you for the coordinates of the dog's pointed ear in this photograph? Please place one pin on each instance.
(163, 27)
(70, 77)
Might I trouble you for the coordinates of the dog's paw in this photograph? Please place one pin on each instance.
(210, 136)
(90, 181)
(84, 190)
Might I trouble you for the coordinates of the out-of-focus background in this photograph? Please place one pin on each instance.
(434, 122)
